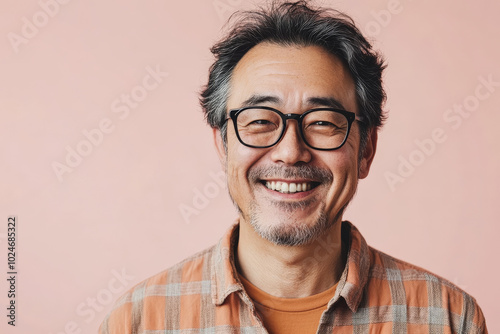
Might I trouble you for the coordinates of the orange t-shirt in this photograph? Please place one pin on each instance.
(289, 315)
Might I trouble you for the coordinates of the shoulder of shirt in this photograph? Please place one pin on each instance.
(388, 267)
(139, 292)
(415, 279)
(173, 271)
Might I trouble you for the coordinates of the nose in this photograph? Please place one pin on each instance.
(291, 149)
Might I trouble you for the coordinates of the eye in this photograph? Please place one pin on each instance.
(260, 122)
(258, 126)
(323, 123)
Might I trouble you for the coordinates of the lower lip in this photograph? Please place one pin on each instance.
(297, 195)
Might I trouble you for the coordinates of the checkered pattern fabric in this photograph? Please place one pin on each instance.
(376, 294)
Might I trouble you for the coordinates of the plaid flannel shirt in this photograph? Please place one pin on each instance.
(376, 294)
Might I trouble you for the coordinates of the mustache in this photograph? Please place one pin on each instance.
(289, 172)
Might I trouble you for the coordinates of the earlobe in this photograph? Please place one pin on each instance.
(219, 146)
(368, 154)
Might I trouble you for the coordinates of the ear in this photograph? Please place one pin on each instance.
(219, 146)
(368, 154)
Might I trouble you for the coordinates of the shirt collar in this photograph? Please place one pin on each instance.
(224, 275)
(351, 284)
(355, 275)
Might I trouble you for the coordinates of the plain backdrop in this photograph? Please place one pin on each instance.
(96, 216)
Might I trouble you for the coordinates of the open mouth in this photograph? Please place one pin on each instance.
(289, 187)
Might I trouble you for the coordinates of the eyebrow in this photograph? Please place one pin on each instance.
(259, 99)
(326, 101)
(315, 101)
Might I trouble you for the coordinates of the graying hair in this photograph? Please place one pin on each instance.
(297, 24)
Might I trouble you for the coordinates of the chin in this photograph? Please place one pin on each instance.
(287, 230)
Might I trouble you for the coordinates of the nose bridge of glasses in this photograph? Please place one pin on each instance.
(292, 116)
(298, 130)
(291, 147)
(297, 117)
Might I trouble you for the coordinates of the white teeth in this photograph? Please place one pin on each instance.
(286, 188)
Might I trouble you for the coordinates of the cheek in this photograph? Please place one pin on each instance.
(348, 159)
(240, 160)
(342, 161)
(345, 175)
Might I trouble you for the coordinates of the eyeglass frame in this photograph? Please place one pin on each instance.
(350, 116)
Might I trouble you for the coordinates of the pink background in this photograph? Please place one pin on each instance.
(119, 209)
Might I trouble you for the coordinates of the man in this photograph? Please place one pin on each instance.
(295, 101)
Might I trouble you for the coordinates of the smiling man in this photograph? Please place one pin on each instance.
(295, 101)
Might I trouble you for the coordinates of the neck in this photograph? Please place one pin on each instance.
(291, 271)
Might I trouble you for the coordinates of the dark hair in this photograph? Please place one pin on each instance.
(297, 23)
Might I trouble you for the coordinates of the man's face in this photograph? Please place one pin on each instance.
(292, 79)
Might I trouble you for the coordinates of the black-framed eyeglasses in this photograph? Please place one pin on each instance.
(323, 129)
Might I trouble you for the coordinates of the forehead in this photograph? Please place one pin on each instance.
(293, 74)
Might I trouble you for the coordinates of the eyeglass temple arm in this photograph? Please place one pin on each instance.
(360, 119)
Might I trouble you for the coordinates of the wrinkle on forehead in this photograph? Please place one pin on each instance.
(292, 73)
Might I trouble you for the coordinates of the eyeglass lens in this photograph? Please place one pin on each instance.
(323, 129)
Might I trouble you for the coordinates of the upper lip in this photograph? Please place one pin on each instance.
(288, 180)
